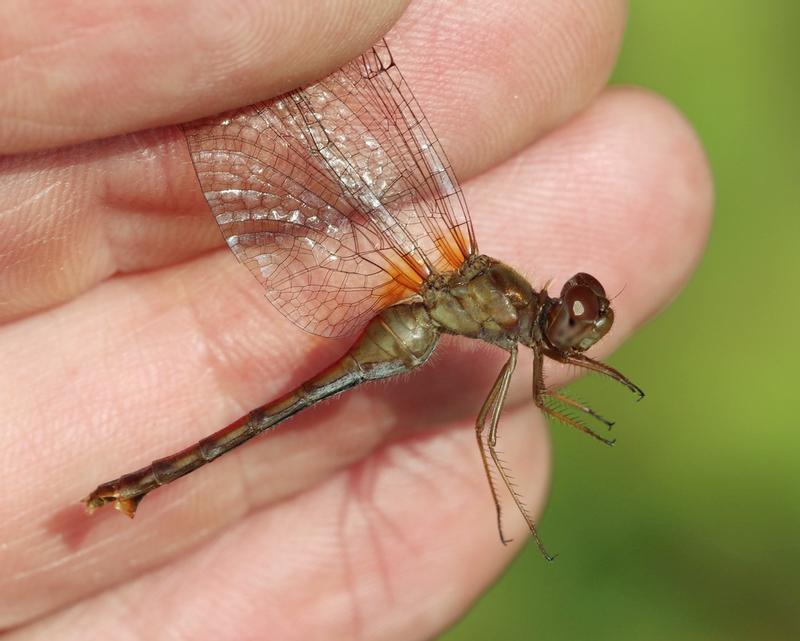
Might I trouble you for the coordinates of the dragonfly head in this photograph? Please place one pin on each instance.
(579, 317)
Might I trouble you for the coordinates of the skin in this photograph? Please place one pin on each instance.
(128, 330)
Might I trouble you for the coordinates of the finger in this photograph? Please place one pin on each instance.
(192, 348)
(80, 72)
(505, 72)
(393, 548)
(133, 203)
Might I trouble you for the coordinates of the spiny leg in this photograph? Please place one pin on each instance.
(540, 394)
(505, 379)
(574, 422)
(480, 424)
(566, 400)
(581, 360)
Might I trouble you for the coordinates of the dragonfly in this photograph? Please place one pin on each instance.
(341, 201)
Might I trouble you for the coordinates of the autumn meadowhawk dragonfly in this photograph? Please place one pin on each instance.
(340, 200)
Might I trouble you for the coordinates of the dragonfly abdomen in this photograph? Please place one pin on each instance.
(397, 340)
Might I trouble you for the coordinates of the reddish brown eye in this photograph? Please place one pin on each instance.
(583, 279)
(582, 303)
(581, 316)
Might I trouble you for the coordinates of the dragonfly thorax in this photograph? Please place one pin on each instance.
(484, 299)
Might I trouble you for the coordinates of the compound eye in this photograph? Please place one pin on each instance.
(582, 303)
(583, 279)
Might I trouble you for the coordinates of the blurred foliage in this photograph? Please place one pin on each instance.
(689, 529)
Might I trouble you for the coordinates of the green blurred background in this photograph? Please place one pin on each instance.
(690, 528)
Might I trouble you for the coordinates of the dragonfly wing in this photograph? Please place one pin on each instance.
(369, 129)
(337, 197)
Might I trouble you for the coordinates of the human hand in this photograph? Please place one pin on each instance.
(130, 332)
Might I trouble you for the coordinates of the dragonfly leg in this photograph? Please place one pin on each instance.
(541, 394)
(581, 360)
(566, 400)
(493, 407)
(480, 425)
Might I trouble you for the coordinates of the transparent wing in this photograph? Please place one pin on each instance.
(337, 197)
